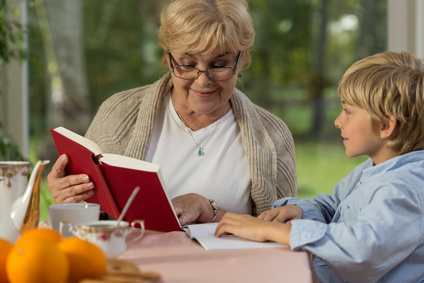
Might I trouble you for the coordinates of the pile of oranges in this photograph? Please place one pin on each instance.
(43, 255)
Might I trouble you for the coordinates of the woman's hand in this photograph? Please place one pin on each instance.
(284, 214)
(194, 208)
(252, 228)
(71, 188)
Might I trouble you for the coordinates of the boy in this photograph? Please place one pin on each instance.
(371, 228)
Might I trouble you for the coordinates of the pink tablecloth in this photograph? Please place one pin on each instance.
(179, 259)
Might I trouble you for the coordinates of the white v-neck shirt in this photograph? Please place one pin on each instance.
(221, 173)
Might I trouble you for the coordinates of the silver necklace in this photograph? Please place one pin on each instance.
(200, 149)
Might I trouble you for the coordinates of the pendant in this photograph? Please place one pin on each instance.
(200, 152)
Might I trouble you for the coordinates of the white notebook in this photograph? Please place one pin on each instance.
(205, 235)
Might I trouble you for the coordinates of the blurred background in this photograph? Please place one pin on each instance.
(60, 59)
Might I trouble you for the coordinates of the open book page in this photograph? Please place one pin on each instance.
(90, 145)
(108, 158)
(128, 162)
(205, 235)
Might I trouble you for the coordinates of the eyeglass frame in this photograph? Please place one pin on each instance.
(199, 72)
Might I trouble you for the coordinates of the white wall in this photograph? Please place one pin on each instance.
(14, 97)
(406, 26)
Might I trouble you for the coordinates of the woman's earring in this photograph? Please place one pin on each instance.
(170, 74)
(239, 76)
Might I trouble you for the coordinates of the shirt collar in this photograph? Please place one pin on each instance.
(411, 158)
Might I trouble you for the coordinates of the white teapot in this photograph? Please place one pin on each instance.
(19, 198)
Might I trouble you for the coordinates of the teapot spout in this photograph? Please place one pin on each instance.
(25, 211)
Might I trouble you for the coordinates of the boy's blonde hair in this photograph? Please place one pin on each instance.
(389, 83)
(201, 26)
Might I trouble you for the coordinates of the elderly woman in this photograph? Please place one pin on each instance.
(217, 150)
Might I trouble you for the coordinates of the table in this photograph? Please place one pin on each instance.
(177, 258)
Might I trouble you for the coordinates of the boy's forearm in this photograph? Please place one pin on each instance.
(278, 232)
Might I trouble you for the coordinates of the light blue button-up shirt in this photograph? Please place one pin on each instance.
(371, 228)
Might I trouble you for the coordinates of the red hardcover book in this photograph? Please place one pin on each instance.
(115, 177)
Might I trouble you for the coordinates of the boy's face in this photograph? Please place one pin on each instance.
(359, 137)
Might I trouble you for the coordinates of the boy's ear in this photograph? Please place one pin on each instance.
(388, 128)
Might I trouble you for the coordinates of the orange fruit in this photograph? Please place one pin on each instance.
(85, 259)
(44, 233)
(36, 260)
(5, 248)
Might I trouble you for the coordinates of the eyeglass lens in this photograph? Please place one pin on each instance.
(192, 73)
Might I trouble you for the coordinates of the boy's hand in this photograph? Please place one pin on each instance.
(245, 226)
(252, 228)
(283, 214)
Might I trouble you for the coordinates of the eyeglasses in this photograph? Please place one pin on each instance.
(187, 72)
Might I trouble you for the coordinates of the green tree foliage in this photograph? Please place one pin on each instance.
(11, 36)
(121, 44)
(281, 55)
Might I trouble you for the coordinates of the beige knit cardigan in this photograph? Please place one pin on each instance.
(124, 125)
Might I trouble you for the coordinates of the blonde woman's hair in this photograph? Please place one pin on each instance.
(201, 26)
(389, 83)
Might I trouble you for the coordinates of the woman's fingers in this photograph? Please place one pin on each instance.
(192, 207)
(58, 169)
(78, 194)
(71, 188)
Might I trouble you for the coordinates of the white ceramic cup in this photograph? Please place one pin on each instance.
(111, 238)
(73, 212)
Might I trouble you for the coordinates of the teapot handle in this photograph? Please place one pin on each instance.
(133, 228)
